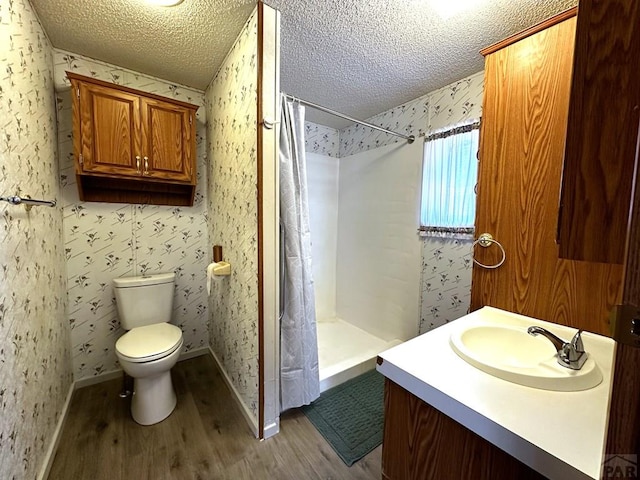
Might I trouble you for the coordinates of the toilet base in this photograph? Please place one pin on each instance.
(153, 398)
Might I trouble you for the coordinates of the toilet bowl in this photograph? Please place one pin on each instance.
(149, 362)
(152, 345)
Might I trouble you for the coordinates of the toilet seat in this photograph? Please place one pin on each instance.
(148, 343)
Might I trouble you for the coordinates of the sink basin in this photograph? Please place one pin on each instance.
(510, 353)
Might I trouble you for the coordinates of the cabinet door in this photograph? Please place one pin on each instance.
(602, 142)
(523, 129)
(422, 443)
(167, 133)
(110, 130)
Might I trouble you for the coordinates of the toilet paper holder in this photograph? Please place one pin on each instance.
(220, 267)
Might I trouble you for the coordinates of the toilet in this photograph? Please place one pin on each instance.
(152, 345)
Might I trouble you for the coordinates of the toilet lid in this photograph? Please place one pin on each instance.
(143, 344)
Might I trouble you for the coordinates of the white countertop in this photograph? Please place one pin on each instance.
(561, 435)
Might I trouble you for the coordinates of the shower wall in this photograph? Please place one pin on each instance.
(360, 206)
(378, 263)
(389, 281)
(322, 147)
(322, 170)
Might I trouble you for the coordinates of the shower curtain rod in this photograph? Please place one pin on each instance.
(408, 138)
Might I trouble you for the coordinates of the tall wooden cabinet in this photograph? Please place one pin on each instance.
(132, 146)
(524, 124)
(600, 219)
(604, 134)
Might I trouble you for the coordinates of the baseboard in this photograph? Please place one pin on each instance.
(196, 352)
(248, 416)
(271, 430)
(104, 377)
(57, 433)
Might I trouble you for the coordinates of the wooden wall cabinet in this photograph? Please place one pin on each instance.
(601, 184)
(524, 125)
(132, 146)
(602, 138)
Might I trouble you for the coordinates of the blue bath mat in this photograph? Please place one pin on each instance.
(350, 416)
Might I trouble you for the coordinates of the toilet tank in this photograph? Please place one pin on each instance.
(144, 300)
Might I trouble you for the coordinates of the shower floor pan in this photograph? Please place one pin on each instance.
(346, 351)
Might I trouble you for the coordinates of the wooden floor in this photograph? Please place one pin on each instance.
(206, 437)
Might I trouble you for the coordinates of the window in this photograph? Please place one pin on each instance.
(449, 174)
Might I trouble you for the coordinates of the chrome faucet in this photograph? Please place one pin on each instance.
(570, 354)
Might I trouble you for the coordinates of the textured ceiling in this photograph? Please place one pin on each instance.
(184, 44)
(360, 57)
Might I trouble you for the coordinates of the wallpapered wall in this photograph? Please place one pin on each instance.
(108, 240)
(450, 105)
(35, 366)
(446, 263)
(232, 144)
(321, 140)
(445, 284)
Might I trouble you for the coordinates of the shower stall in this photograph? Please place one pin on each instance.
(366, 255)
(363, 214)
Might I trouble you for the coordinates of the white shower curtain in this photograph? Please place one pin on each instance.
(299, 375)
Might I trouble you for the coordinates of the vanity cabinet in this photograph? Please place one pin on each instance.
(602, 139)
(422, 443)
(131, 146)
(446, 418)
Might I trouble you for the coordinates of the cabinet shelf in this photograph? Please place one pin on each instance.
(123, 190)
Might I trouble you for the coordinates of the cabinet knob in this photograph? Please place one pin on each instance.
(138, 163)
(146, 165)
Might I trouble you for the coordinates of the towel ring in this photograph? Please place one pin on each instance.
(485, 240)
